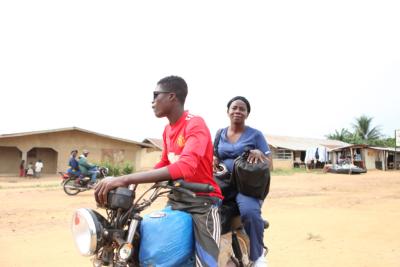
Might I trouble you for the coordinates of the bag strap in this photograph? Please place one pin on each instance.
(216, 142)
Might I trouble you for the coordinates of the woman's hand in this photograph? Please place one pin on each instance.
(215, 164)
(256, 156)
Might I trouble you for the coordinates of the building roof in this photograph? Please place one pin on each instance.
(74, 129)
(385, 148)
(392, 149)
(302, 143)
(350, 146)
(158, 143)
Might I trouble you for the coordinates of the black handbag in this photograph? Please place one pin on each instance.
(251, 179)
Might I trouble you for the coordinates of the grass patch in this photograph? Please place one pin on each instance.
(287, 172)
(52, 185)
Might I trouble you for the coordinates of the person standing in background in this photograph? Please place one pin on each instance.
(29, 170)
(22, 168)
(38, 168)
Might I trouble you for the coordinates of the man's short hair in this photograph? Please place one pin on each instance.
(175, 85)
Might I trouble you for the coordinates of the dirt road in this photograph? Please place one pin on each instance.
(316, 220)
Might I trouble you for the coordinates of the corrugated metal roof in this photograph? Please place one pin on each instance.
(350, 146)
(302, 143)
(367, 146)
(154, 141)
(386, 149)
(74, 129)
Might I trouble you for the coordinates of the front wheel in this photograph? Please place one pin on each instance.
(70, 187)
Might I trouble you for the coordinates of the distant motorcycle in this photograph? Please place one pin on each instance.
(73, 184)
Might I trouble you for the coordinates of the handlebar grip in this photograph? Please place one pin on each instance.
(195, 187)
(185, 191)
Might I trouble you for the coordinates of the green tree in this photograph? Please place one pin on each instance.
(344, 135)
(364, 130)
(383, 142)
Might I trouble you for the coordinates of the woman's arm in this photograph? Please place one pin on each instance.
(261, 152)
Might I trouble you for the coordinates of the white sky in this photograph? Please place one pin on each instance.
(307, 67)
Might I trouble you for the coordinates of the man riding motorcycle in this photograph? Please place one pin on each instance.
(86, 168)
(187, 154)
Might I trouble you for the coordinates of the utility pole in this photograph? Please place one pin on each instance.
(396, 144)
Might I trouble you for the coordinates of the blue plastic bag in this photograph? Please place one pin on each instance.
(166, 239)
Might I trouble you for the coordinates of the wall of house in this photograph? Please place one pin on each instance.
(10, 158)
(282, 164)
(149, 157)
(370, 157)
(55, 148)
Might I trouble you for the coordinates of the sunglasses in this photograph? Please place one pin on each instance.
(156, 93)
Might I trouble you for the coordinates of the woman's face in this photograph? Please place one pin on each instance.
(237, 112)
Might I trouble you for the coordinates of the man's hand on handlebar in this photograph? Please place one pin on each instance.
(105, 186)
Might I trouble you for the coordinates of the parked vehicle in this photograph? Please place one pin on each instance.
(123, 238)
(73, 184)
(346, 168)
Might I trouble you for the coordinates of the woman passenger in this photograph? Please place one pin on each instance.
(234, 140)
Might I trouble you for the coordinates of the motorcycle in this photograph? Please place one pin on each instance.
(125, 238)
(74, 184)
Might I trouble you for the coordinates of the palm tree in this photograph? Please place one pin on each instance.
(363, 129)
(344, 135)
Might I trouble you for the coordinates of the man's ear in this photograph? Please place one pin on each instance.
(172, 97)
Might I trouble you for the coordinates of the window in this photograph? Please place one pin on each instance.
(283, 154)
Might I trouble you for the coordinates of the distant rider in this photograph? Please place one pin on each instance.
(74, 165)
(87, 168)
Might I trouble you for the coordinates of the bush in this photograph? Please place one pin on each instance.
(128, 168)
(118, 169)
(115, 171)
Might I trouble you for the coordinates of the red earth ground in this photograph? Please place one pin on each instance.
(324, 220)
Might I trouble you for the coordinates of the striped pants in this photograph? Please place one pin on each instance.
(207, 233)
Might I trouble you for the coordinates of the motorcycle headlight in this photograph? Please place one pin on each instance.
(87, 227)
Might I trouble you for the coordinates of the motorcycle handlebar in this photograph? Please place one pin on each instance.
(194, 187)
(185, 191)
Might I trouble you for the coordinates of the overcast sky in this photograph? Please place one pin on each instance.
(307, 67)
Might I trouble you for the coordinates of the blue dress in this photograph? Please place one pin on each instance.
(251, 138)
(249, 207)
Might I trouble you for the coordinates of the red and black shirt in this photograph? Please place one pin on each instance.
(188, 152)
